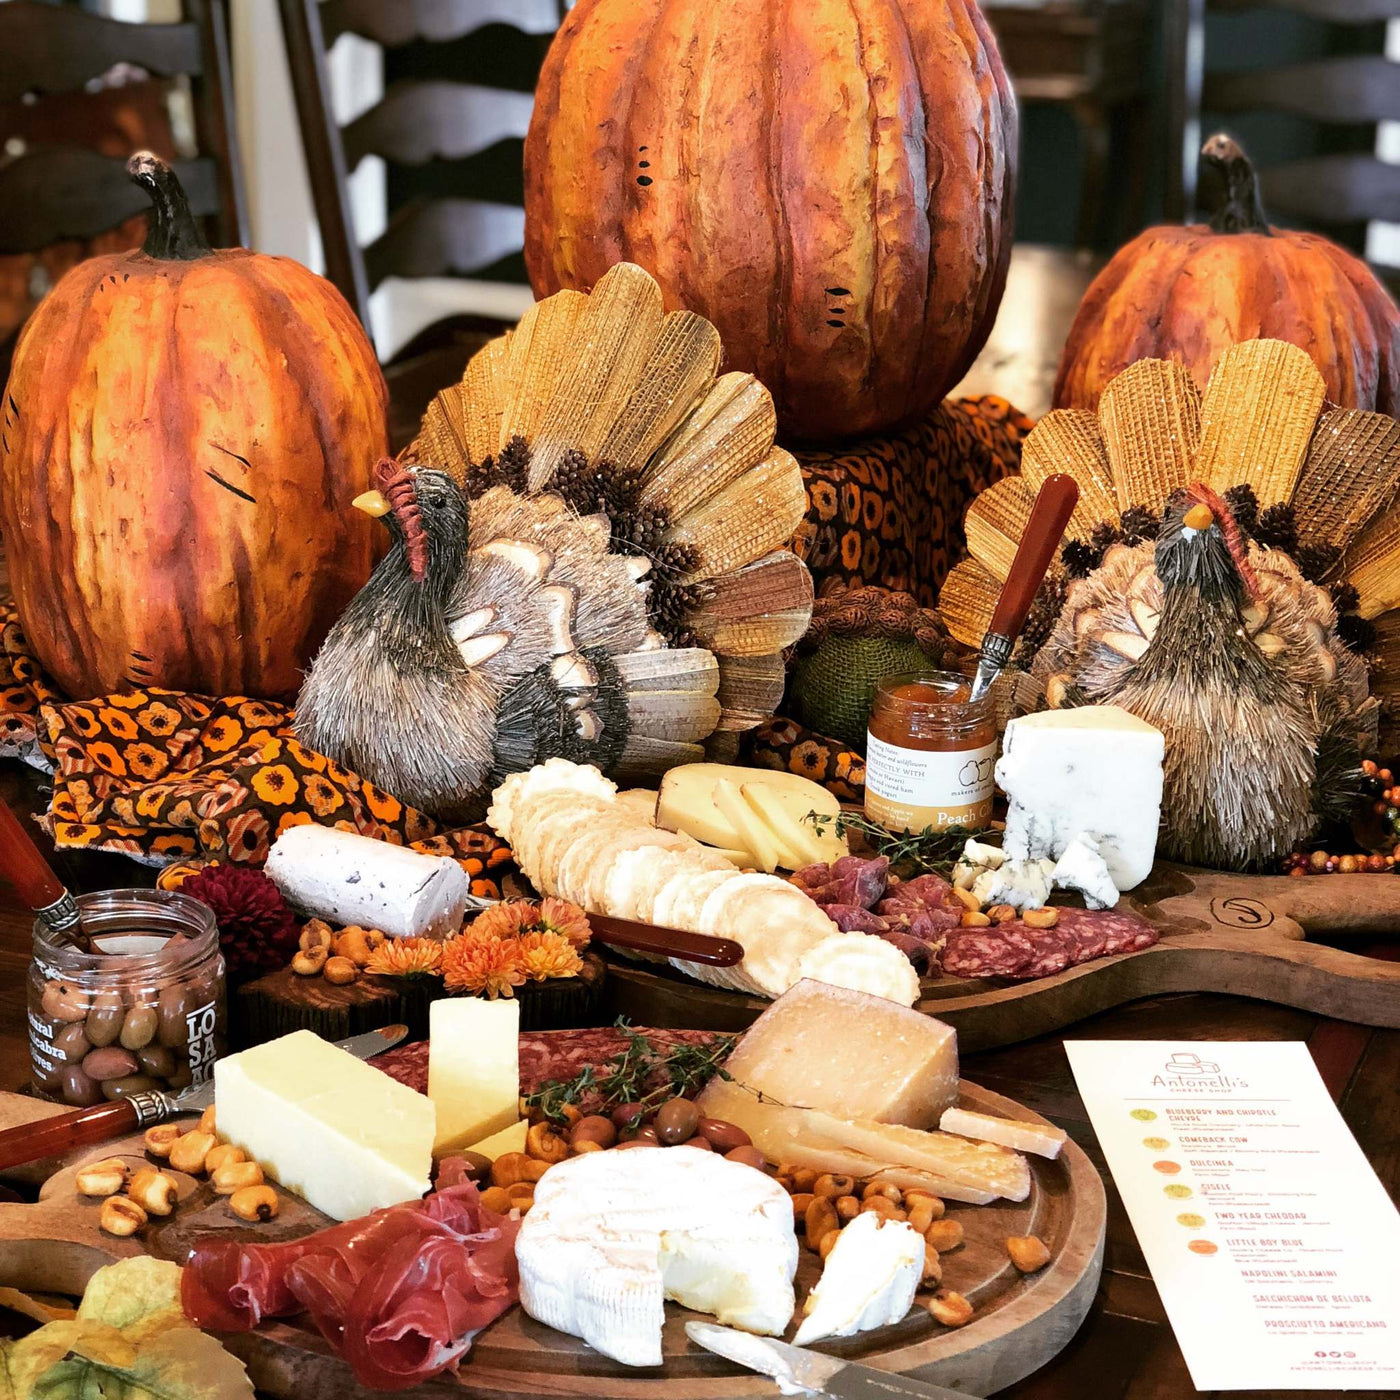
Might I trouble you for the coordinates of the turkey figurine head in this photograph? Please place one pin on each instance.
(1231, 576)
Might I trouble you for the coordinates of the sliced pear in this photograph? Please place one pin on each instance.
(732, 807)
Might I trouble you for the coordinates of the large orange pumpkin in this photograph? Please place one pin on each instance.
(830, 182)
(1189, 293)
(181, 436)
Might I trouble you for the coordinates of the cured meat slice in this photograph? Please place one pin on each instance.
(1123, 932)
(1055, 950)
(861, 881)
(996, 951)
(854, 918)
(1088, 931)
(811, 877)
(930, 890)
(399, 1294)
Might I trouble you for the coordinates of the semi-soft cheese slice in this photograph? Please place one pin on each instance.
(1096, 769)
(340, 1133)
(511, 1139)
(851, 1054)
(473, 1068)
(1038, 1138)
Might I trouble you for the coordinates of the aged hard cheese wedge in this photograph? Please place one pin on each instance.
(337, 1131)
(473, 1069)
(612, 1235)
(851, 1054)
(350, 879)
(511, 1139)
(1039, 1138)
(869, 1280)
(1095, 770)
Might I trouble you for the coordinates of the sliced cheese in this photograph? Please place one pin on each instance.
(1038, 1138)
(687, 800)
(798, 837)
(473, 1068)
(340, 1133)
(869, 1280)
(850, 1054)
(754, 835)
(742, 859)
(511, 1139)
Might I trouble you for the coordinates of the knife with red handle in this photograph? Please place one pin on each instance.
(23, 865)
(1059, 494)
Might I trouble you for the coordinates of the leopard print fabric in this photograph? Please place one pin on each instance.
(889, 510)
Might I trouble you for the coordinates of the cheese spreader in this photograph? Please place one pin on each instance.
(64, 1131)
(798, 1369)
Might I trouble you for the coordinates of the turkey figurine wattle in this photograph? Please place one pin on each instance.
(180, 429)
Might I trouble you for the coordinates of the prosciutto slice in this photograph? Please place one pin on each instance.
(399, 1294)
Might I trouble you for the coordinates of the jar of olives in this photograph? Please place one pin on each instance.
(144, 1010)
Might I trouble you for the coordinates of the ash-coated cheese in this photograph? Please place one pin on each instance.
(343, 1135)
(346, 879)
(1097, 770)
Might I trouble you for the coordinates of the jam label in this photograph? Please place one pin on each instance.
(910, 789)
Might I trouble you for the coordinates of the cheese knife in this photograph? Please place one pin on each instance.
(48, 1137)
(797, 1369)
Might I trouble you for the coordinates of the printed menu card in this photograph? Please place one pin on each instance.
(1271, 1240)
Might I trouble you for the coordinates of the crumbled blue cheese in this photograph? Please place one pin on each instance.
(1082, 868)
(1023, 884)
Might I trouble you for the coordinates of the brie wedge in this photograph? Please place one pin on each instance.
(870, 1279)
(612, 1235)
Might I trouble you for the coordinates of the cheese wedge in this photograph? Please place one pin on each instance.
(340, 1133)
(797, 836)
(754, 836)
(687, 800)
(1038, 1138)
(511, 1139)
(473, 1069)
(869, 1280)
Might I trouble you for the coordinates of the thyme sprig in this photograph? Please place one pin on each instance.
(626, 1077)
(909, 852)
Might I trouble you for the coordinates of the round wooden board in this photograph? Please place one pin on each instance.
(54, 1246)
(1244, 934)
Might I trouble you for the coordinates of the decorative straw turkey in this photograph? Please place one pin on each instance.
(1232, 567)
(587, 562)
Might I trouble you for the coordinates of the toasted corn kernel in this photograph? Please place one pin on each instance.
(833, 1184)
(1041, 918)
(967, 899)
(545, 1145)
(949, 1308)
(495, 1198)
(944, 1235)
(827, 1243)
(1001, 913)
(221, 1154)
(933, 1267)
(800, 1201)
(153, 1191)
(206, 1121)
(188, 1152)
(821, 1218)
(254, 1203)
(120, 1216)
(1028, 1252)
(309, 961)
(104, 1178)
(508, 1168)
(887, 1189)
(974, 919)
(161, 1138)
(340, 972)
(234, 1176)
(803, 1178)
(847, 1207)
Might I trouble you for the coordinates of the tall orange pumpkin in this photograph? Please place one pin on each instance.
(830, 182)
(1189, 293)
(181, 435)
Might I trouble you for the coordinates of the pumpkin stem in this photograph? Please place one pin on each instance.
(1240, 211)
(173, 232)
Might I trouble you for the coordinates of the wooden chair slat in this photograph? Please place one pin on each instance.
(440, 237)
(55, 193)
(420, 121)
(57, 48)
(1333, 190)
(394, 23)
(1363, 88)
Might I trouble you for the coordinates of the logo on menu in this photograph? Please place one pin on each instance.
(1186, 1071)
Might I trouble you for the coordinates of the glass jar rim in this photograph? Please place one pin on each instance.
(201, 932)
(958, 710)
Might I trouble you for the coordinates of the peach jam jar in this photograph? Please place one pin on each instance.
(930, 753)
(143, 1011)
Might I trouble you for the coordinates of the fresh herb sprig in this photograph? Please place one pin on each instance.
(909, 852)
(628, 1076)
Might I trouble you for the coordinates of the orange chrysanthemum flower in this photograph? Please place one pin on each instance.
(483, 966)
(406, 957)
(567, 920)
(508, 920)
(545, 954)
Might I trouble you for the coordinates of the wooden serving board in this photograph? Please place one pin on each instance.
(54, 1246)
(1245, 934)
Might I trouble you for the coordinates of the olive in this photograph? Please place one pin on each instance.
(139, 1027)
(701, 1143)
(48, 1078)
(183, 1076)
(110, 1062)
(173, 1003)
(157, 1060)
(724, 1137)
(62, 1002)
(104, 1021)
(128, 1084)
(676, 1120)
(645, 1134)
(749, 1155)
(625, 1115)
(70, 1043)
(80, 1089)
(594, 1128)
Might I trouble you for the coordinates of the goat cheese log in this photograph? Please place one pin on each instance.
(349, 879)
(574, 837)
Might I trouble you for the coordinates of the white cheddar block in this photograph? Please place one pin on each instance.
(1094, 770)
(349, 879)
(1039, 1139)
(473, 1069)
(340, 1133)
(511, 1139)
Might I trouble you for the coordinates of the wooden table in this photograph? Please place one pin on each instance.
(1125, 1349)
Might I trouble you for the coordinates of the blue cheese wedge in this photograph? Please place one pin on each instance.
(1023, 884)
(340, 1133)
(1081, 867)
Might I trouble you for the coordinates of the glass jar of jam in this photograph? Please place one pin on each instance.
(143, 1010)
(930, 753)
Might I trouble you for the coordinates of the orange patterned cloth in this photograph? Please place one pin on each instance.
(160, 775)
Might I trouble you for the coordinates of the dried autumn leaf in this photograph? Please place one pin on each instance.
(180, 1364)
(39, 1354)
(33, 1308)
(140, 1297)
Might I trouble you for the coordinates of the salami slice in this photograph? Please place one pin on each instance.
(1105, 932)
(997, 951)
(1055, 950)
(1088, 930)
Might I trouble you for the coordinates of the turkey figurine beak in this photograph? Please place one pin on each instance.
(374, 503)
(1199, 517)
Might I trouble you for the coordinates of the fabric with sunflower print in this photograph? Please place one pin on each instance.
(889, 510)
(161, 776)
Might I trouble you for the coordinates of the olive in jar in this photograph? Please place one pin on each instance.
(156, 1059)
(62, 1002)
(104, 1021)
(129, 1084)
(71, 1044)
(79, 1088)
(110, 1062)
(171, 1008)
(139, 1027)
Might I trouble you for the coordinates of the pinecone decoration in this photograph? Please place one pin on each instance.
(257, 931)
(1079, 559)
(1138, 524)
(1278, 528)
(577, 481)
(1244, 506)
(513, 464)
(1315, 560)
